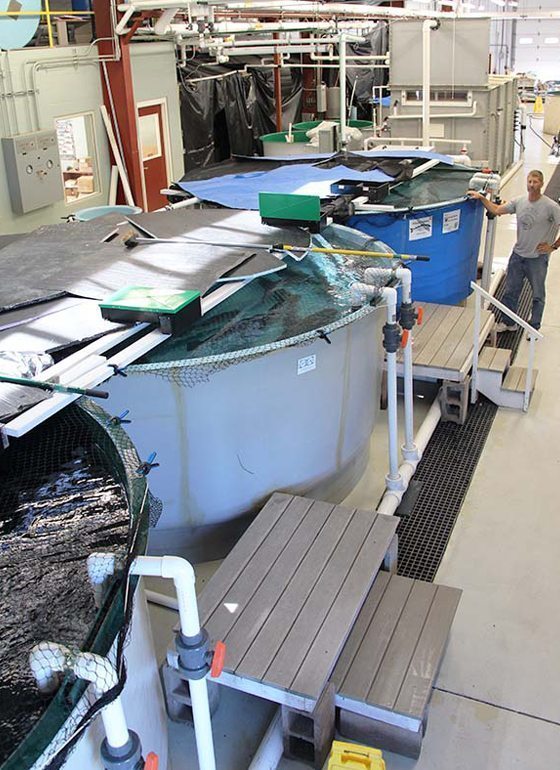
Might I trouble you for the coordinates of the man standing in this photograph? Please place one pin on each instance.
(538, 220)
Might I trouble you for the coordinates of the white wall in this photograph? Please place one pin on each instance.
(539, 57)
(51, 83)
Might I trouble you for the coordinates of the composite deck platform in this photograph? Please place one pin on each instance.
(314, 619)
(443, 344)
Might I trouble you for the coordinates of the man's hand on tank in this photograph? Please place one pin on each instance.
(475, 194)
(545, 248)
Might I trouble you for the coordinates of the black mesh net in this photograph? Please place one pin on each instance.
(69, 488)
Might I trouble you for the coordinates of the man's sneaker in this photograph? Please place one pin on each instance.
(502, 327)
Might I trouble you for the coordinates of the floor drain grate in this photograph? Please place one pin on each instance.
(444, 476)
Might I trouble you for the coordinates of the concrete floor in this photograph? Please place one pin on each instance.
(497, 700)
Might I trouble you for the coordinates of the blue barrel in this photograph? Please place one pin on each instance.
(448, 233)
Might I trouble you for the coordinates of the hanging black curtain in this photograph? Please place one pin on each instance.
(264, 102)
(215, 118)
(224, 111)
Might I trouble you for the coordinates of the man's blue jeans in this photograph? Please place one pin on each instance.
(535, 271)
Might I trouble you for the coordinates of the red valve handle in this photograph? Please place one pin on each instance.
(218, 660)
(152, 761)
(404, 338)
(420, 316)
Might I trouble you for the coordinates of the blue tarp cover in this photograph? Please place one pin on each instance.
(241, 191)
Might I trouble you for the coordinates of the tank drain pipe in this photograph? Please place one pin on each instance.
(393, 496)
(192, 642)
(49, 662)
(427, 26)
(409, 316)
(391, 342)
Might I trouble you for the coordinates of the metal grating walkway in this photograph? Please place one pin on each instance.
(444, 476)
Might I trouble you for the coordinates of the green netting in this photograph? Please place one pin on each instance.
(77, 474)
(308, 299)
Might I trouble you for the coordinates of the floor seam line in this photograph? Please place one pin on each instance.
(497, 706)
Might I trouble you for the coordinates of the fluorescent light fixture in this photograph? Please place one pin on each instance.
(551, 40)
(501, 3)
(525, 40)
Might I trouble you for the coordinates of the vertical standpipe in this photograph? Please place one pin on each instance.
(427, 27)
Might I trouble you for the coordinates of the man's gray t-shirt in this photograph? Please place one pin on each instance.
(537, 222)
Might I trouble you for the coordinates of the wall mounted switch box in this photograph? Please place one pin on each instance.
(33, 170)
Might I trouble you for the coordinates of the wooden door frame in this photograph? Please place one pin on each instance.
(166, 139)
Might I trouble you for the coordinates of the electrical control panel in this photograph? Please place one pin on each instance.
(33, 170)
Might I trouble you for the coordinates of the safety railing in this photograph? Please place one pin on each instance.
(480, 296)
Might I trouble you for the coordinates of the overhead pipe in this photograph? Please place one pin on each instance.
(163, 24)
(192, 641)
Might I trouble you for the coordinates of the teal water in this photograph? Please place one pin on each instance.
(307, 295)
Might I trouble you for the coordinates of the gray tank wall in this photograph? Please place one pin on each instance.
(226, 444)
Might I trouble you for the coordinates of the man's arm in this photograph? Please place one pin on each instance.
(495, 209)
(548, 248)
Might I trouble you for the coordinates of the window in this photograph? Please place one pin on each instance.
(76, 146)
(150, 137)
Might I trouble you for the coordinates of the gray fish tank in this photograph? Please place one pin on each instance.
(277, 388)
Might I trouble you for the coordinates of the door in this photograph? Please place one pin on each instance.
(151, 136)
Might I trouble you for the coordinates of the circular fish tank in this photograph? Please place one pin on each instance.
(67, 489)
(280, 144)
(277, 388)
(431, 215)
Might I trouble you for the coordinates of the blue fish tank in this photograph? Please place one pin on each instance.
(431, 215)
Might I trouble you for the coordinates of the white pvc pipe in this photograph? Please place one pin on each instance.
(427, 27)
(163, 24)
(181, 572)
(342, 81)
(392, 497)
(271, 748)
(154, 597)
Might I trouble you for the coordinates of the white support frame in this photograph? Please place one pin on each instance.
(480, 296)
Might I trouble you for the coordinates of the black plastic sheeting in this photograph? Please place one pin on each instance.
(224, 111)
(57, 506)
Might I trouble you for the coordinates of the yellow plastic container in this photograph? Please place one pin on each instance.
(351, 756)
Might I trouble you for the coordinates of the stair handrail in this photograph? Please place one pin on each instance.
(534, 334)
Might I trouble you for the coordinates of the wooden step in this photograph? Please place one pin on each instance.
(494, 359)
(515, 379)
(386, 671)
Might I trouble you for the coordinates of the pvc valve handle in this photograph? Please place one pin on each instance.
(420, 316)
(218, 660)
(404, 338)
(152, 761)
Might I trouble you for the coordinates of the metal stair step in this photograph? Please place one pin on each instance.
(515, 379)
(494, 359)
